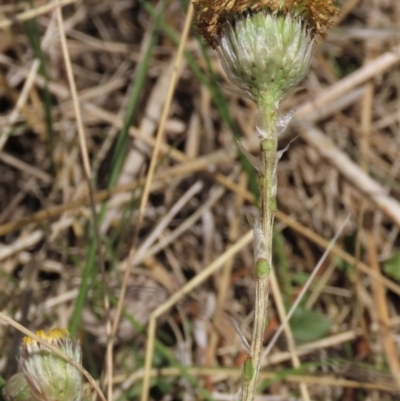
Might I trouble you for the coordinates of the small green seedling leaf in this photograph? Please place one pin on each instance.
(391, 267)
(308, 326)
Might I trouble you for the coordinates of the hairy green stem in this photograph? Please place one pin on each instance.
(263, 234)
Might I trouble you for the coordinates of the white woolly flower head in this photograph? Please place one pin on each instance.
(49, 377)
(265, 54)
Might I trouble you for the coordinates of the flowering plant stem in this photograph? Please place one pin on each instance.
(267, 180)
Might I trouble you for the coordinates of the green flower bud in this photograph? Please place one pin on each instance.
(17, 389)
(49, 377)
(265, 54)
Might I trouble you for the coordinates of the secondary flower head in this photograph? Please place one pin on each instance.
(17, 389)
(264, 46)
(49, 377)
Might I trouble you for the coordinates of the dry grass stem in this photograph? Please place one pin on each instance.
(35, 12)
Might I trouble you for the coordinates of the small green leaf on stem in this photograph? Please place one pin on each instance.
(263, 269)
(272, 205)
(267, 145)
(248, 370)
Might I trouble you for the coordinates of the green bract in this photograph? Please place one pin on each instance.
(265, 54)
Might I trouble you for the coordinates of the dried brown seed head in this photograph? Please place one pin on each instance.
(212, 15)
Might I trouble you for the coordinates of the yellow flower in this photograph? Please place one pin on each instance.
(49, 377)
